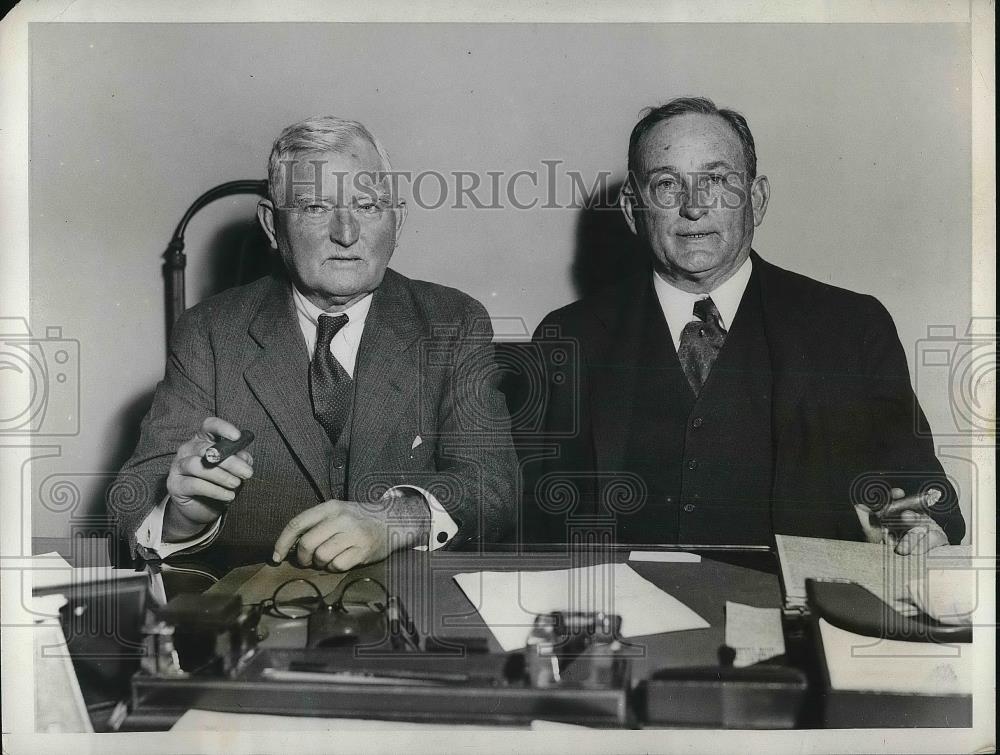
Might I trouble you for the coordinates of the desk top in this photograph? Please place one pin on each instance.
(439, 608)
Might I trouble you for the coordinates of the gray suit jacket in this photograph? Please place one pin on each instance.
(425, 368)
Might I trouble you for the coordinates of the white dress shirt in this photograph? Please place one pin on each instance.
(678, 306)
(344, 348)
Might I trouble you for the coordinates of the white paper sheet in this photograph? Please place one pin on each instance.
(754, 633)
(59, 705)
(868, 664)
(509, 601)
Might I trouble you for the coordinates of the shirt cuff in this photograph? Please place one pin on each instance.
(443, 527)
(150, 533)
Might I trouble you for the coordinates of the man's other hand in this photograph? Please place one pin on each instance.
(339, 535)
(199, 491)
(906, 524)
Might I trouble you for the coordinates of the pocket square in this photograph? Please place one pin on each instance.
(416, 442)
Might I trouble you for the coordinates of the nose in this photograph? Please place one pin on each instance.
(344, 227)
(691, 210)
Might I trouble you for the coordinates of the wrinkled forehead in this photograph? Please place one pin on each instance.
(355, 156)
(690, 142)
(334, 173)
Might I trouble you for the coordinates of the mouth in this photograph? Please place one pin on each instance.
(343, 259)
(696, 236)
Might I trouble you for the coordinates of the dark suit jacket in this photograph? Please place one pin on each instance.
(424, 369)
(844, 415)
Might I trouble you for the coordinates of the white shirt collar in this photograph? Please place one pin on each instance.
(345, 344)
(678, 306)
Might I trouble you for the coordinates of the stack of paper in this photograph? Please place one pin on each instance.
(508, 601)
(873, 566)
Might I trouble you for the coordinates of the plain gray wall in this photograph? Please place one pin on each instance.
(863, 131)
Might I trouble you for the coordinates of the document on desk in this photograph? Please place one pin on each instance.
(59, 704)
(874, 566)
(871, 664)
(508, 601)
(754, 633)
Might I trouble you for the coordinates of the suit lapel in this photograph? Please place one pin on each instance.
(385, 376)
(614, 366)
(279, 378)
(788, 343)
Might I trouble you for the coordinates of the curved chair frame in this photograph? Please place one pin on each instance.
(175, 261)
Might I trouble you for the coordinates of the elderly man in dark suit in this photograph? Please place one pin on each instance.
(377, 420)
(718, 399)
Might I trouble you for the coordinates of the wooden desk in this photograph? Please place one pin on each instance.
(439, 607)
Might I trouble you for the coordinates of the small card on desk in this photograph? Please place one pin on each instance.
(665, 557)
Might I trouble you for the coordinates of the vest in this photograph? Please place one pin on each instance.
(339, 455)
(706, 462)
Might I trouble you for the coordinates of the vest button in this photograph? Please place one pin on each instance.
(339, 459)
(693, 464)
(689, 507)
(697, 422)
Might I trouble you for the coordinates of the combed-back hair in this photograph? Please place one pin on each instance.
(322, 133)
(681, 106)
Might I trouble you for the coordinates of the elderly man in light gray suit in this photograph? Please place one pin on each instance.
(373, 397)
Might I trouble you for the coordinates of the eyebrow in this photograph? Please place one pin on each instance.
(306, 197)
(706, 166)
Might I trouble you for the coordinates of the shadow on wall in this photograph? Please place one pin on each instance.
(606, 250)
(237, 253)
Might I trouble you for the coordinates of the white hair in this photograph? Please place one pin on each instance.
(322, 133)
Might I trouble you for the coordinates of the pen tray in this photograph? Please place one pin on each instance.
(469, 688)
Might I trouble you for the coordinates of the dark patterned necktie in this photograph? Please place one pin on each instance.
(330, 385)
(701, 341)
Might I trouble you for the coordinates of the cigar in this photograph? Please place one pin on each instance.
(224, 448)
(928, 500)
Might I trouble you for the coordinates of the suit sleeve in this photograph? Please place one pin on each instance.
(904, 449)
(183, 399)
(475, 454)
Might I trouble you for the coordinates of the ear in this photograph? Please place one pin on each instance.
(760, 194)
(627, 204)
(265, 216)
(400, 216)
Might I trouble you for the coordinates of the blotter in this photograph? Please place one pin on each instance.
(508, 601)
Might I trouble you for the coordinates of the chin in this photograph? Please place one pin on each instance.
(696, 263)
